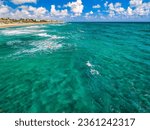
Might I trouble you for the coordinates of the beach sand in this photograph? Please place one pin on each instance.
(24, 24)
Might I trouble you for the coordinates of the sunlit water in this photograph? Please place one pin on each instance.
(75, 67)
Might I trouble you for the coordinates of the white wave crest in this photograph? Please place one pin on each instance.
(93, 71)
(53, 37)
(89, 64)
(35, 26)
(43, 35)
(11, 43)
(20, 32)
(40, 46)
(56, 37)
(61, 24)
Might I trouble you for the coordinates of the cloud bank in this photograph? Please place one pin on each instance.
(23, 1)
(75, 9)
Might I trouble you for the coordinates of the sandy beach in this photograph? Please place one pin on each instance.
(24, 24)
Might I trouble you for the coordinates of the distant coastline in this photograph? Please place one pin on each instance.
(7, 22)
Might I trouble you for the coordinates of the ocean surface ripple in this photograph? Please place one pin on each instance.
(75, 67)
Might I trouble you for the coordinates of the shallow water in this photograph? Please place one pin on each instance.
(75, 67)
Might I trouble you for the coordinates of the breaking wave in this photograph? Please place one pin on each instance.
(20, 32)
(54, 37)
(40, 46)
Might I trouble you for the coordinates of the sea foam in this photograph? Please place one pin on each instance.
(89, 64)
(53, 37)
(43, 35)
(56, 37)
(93, 71)
(11, 32)
(40, 46)
(14, 42)
(31, 27)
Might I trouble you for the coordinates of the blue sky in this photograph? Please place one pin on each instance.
(77, 10)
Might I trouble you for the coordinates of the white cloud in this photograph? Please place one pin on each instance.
(135, 9)
(120, 10)
(55, 12)
(135, 3)
(24, 12)
(112, 11)
(143, 9)
(96, 6)
(111, 6)
(76, 7)
(3, 10)
(129, 11)
(23, 1)
(117, 4)
(106, 4)
(40, 11)
(89, 13)
(138, 8)
(115, 9)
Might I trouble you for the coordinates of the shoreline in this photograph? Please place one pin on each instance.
(26, 24)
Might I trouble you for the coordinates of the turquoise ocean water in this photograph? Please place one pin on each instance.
(75, 67)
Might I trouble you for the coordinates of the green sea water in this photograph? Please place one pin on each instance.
(75, 67)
